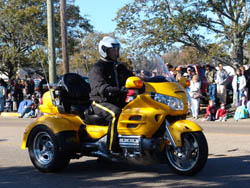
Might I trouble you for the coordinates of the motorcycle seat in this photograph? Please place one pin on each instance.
(90, 118)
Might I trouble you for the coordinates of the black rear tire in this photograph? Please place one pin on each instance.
(43, 151)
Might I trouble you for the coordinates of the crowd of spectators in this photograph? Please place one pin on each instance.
(218, 82)
(19, 95)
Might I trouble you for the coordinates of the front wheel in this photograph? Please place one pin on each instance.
(43, 151)
(191, 157)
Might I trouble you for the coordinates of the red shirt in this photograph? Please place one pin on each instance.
(210, 110)
(221, 113)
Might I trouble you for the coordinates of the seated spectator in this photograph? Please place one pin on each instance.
(221, 114)
(25, 106)
(34, 108)
(210, 111)
(248, 108)
(241, 111)
(8, 103)
(243, 100)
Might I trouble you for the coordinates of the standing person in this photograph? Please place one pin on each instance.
(210, 75)
(15, 92)
(170, 68)
(238, 84)
(2, 96)
(246, 74)
(142, 74)
(221, 81)
(189, 73)
(107, 77)
(195, 95)
(8, 103)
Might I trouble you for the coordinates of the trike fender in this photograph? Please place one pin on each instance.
(181, 126)
(62, 126)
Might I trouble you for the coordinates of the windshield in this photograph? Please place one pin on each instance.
(152, 69)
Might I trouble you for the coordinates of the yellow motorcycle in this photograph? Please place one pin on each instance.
(152, 125)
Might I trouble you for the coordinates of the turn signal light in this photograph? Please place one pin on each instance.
(187, 83)
(138, 83)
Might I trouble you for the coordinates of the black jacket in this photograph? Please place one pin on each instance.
(103, 82)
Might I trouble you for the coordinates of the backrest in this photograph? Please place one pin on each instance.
(74, 94)
(76, 86)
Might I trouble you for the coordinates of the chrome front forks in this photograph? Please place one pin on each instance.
(168, 136)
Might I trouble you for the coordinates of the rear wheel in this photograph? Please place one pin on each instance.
(43, 151)
(191, 157)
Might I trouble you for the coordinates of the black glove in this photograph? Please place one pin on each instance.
(124, 89)
(113, 91)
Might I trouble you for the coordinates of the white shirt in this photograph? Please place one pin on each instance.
(242, 82)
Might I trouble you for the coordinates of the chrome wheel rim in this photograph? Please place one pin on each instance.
(187, 157)
(43, 148)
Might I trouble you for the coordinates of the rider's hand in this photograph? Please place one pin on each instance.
(124, 89)
(113, 91)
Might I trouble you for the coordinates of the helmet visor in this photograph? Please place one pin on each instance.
(115, 45)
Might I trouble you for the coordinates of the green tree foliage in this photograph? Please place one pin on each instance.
(158, 24)
(23, 33)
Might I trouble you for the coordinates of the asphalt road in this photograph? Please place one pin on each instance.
(228, 164)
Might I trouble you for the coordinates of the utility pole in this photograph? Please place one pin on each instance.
(51, 42)
(64, 36)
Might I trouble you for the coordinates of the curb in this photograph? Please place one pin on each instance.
(9, 114)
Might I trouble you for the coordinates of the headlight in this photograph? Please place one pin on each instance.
(174, 103)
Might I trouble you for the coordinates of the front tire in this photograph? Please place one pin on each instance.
(43, 151)
(191, 157)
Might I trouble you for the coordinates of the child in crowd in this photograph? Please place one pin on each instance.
(241, 111)
(210, 111)
(221, 114)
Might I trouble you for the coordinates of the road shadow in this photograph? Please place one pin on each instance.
(218, 172)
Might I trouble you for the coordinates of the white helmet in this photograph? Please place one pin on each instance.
(106, 43)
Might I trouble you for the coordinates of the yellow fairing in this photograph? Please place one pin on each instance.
(144, 116)
(57, 123)
(48, 106)
(182, 126)
(64, 122)
(97, 131)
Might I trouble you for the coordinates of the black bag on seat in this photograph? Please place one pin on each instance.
(74, 94)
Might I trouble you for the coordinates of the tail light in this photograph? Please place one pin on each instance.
(41, 100)
(131, 95)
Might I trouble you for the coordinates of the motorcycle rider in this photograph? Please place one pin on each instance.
(107, 77)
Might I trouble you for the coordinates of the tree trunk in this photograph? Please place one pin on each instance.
(237, 54)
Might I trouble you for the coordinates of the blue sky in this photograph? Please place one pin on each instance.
(101, 12)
